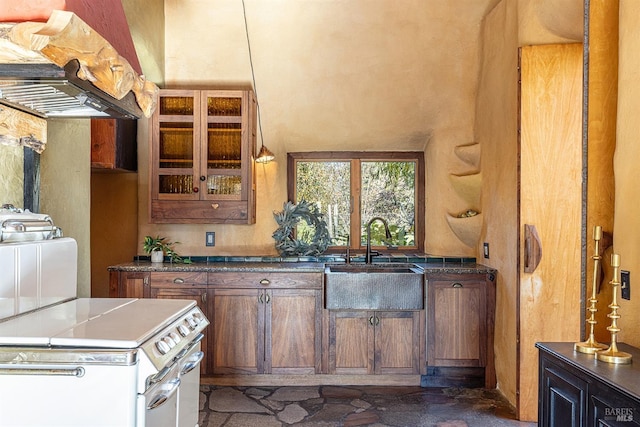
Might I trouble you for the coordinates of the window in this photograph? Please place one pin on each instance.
(352, 188)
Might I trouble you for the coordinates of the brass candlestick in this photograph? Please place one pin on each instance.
(612, 354)
(590, 346)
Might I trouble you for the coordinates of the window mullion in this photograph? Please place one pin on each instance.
(356, 187)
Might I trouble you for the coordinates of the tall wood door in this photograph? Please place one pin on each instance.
(550, 194)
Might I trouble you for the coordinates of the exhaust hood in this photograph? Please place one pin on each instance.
(64, 68)
(49, 91)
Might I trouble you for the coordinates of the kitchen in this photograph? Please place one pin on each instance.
(126, 194)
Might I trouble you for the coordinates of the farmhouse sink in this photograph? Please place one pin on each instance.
(389, 286)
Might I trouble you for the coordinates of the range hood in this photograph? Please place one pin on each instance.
(49, 91)
(64, 68)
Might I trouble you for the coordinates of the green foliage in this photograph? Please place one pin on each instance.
(158, 243)
(314, 239)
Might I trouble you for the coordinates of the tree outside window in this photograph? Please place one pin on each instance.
(351, 188)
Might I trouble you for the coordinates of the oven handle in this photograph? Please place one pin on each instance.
(163, 397)
(192, 363)
(73, 372)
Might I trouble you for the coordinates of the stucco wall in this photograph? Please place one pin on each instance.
(12, 175)
(626, 234)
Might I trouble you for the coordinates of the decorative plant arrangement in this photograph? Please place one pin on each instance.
(287, 221)
(155, 245)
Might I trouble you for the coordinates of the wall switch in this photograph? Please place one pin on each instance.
(486, 250)
(625, 282)
(211, 238)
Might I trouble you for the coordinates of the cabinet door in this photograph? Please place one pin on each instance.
(238, 331)
(293, 339)
(457, 323)
(375, 342)
(397, 342)
(199, 295)
(128, 284)
(175, 154)
(351, 342)
(563, 397)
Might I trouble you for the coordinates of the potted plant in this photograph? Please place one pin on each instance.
(158, 246)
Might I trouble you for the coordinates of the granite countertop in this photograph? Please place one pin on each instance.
(453, 265)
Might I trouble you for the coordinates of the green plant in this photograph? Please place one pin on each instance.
(158, 243)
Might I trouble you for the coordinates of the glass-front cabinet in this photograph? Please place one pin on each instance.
(202, 156)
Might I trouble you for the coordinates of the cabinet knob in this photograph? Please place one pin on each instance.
(457, 285)
(215, 205)
(265, 282)
(203, 178)
(196, 189)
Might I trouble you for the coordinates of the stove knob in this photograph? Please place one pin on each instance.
(183, 330)
(175, 337)
(162, 347)
(192, 322)
(169, 340)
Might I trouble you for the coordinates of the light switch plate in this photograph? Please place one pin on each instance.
(625, 282)
(486, 250)
(211, 238)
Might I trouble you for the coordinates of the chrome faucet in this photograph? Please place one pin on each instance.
(369, 255)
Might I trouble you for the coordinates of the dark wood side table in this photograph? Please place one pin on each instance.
(576, 390)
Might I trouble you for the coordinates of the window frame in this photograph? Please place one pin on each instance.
(355, 158)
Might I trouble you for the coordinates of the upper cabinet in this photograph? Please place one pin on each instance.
(202, 157)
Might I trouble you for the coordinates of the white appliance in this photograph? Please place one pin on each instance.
(102, 362)
(67, 361)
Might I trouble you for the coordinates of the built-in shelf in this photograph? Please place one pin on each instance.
(467, 229)
(470, 154)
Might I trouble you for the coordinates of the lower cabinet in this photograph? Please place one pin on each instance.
(376, 342)
(266, 323)
(460, 327)
(576, 390)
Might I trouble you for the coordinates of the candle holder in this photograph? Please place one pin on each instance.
(590, 346)
(612, 354)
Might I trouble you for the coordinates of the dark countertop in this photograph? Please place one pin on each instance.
(258, 264)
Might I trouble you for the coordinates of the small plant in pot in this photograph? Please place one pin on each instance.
(158, 246)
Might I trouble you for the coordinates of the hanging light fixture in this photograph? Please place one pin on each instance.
(264, 155)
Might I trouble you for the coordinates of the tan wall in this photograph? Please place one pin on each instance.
(626, 232)
(65, 190)
(11, 175)
(114, 225)
(496, 130)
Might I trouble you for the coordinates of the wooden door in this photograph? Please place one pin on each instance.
(397, 342)
(551, 200)
(128, 284)
(457, 323)
(238, 331)
(199, 295)
(292, 338)
(351, 342)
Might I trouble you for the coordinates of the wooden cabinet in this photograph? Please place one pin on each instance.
(129, 284)
(460, 323)
(575, 390)
(202, 157)
(376, 342)
(266, 323)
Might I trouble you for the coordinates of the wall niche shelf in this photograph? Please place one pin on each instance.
(470, 154)
(467, 229)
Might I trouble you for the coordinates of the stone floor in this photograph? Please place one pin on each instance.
(325, 406)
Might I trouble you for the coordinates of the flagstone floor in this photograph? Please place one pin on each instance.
(328, 406)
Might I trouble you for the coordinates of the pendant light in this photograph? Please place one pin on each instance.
(264, 155)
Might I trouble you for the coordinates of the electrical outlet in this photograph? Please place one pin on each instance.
(625, 281)
(486, 250)
(211, 238)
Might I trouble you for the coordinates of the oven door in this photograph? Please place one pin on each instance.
(158, 405)
(189, 393)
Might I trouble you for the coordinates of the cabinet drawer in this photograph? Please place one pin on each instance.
(178, 278)
(266, 280)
